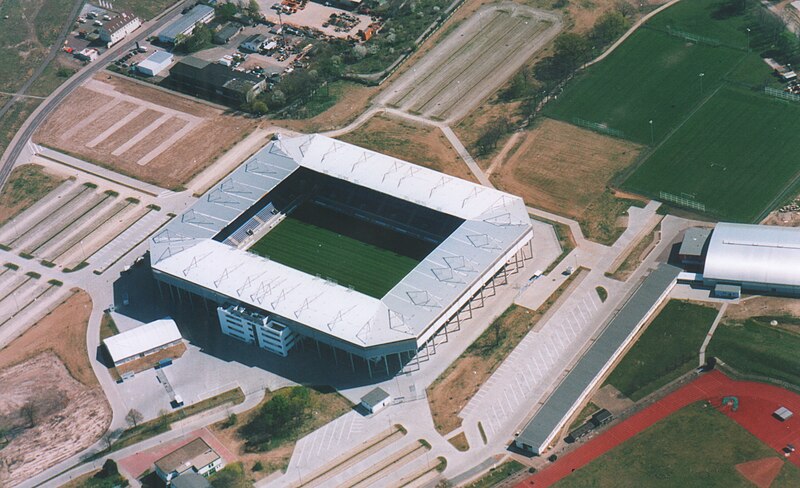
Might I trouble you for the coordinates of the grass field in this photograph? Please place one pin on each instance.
(667, 349)
(344, 249)
(736, 154)
(695, 446)
(756, 348)
(652, 76)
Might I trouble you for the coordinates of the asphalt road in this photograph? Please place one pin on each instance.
(48, 106)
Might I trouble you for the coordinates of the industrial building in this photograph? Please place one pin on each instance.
(142, 341)
(760, 259)
(119, 27)
(201, 257)
(185, 24)
(155, 63)
(214, 81)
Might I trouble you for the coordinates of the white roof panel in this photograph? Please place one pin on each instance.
(141, 339)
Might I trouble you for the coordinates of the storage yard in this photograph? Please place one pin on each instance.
(141, 131)
(471, 62)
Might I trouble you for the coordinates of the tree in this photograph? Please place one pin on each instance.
(28, 412)
(226, 11)
(109, 436)
(255, 10)
(572, 50)
(610, 26)
(231, 476)
(199, 40)
(109, 470)
(134, 417)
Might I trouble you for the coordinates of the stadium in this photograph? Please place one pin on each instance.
(315, 239)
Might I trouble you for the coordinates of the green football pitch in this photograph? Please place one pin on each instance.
(736, 155)
(349, 251)
(652, 76)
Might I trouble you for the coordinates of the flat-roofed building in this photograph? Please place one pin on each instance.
(155, 63)
(214, 81)
(142, 341)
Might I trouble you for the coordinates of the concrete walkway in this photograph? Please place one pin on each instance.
(710, 334)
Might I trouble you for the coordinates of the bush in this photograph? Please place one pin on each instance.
(257, 466)
(277, 419)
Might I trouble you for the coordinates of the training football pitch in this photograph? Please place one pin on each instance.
(736, 155)
(652, 76)
(351, 252)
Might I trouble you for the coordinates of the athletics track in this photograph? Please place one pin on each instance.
(757, 401)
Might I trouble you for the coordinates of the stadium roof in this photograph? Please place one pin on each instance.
(495, 222)
(743, 253)
(142, 339)
(541, 429)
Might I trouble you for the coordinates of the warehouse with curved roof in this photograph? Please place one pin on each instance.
(759, 258)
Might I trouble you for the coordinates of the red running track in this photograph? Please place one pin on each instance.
(757, 401)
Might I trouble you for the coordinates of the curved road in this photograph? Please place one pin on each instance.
(47, 107)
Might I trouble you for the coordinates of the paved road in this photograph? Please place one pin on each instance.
(18, 144)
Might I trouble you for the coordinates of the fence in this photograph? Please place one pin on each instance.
(695, 38)
(602, 128)
(774, 92)
(682, 201)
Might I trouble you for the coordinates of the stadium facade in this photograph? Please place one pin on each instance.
(479, 235)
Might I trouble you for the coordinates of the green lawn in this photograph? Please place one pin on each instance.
(736, 155)
(667, 349)
(344, 249)
(652, 76)
(755, 347)
(694, 447)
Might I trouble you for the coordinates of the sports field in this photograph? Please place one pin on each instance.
(344, 249)
(696, 446)
(736, 155)
(667, 349)
(652, 76)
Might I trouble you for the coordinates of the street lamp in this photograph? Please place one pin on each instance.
(701, 83)
(652, 134)
(748, 39)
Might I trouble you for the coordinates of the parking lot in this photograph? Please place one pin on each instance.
(24, 299)
(538, 357)
(314, 15)
(72, 223)
(472, 61)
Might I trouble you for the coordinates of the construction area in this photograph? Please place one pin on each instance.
(323, 20)
(71, 224)
(141, 131)
(472, 61)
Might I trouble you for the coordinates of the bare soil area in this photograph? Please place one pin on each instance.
(177, 157)
(419, 144)
(63, 332)
(51, 416)
(786, 311)
(26, 185)
(567, 170)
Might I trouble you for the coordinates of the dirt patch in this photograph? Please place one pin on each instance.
(26, 185)
(784, 310)
(567, 170)
(50, 414)
(761, 472)
(62, 331)
(459, 442)
(423, 145)
(211, 133)
(471, 127)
